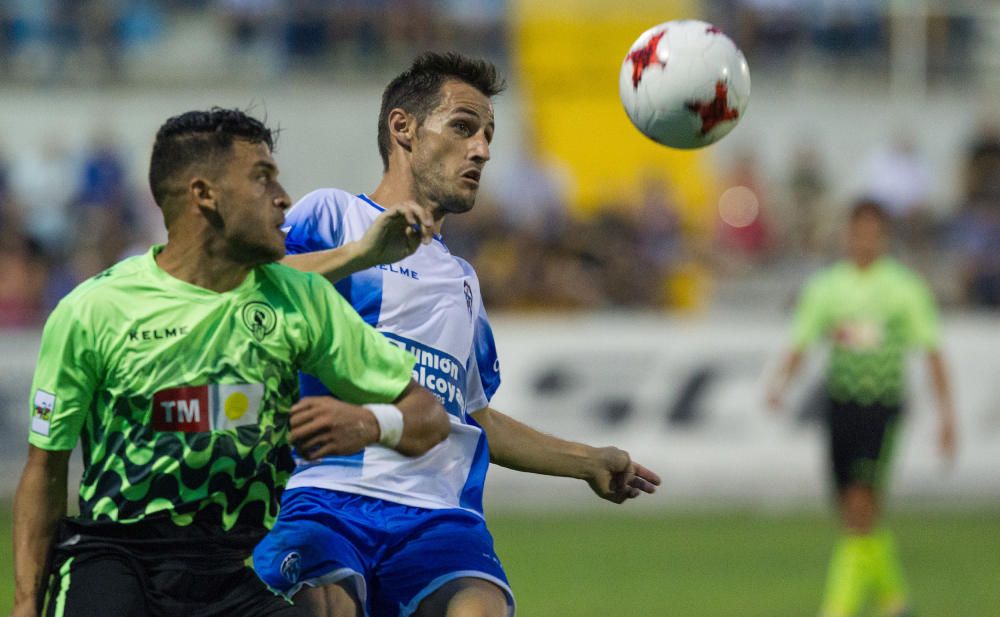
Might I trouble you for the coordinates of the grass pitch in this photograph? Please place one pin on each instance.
(725, 565)
(619, 564)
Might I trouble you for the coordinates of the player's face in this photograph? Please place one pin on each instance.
(451, 148)
(251, 205)
(866, 239)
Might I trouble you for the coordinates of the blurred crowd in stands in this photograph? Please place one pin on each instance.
(52, 41)
(531, 253)
(67, 214)
(312, 33)
(846, 32)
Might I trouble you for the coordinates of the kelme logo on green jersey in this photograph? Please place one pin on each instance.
(260, 318)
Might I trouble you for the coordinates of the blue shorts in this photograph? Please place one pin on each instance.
(395, 555)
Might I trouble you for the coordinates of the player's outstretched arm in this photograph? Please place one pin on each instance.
(325, 426)
(394, 235)
(611, 472)
(39, 504)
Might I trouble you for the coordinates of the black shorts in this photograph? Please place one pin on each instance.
(861, 442)
(97, 576)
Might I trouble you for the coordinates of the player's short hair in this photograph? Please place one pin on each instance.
(867, 206)
(417, 90)
(199, 137)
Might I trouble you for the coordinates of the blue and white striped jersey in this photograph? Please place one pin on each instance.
(430, 305)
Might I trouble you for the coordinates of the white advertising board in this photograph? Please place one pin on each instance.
(686, 398)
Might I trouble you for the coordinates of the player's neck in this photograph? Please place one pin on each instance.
(392, 191)
(863, 262)
(200, 263)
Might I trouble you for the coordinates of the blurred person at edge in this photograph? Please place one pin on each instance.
(22, 280)
(745, 230)
(43, 182)
(872, 311)
(975, 231)
(900, 177)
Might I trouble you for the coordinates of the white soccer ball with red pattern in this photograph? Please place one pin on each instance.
(684, 84)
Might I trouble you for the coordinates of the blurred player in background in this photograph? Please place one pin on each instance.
(376, 533)
(176, 371)
(871, 310)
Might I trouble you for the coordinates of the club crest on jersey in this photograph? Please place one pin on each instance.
(291, 567)
(259, 318)
(198, 409)
(468, 296)
(42, 413)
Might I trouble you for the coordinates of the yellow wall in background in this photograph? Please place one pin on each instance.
(568, 55)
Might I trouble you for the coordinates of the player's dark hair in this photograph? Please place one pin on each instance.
(418, 89)
(866, 206)
(199, 137)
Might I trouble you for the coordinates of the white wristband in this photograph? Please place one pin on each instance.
(390, 423)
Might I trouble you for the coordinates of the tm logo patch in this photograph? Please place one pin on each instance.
(213, 407)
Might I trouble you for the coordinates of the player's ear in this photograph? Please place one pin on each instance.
(402, 128)
(206, 196)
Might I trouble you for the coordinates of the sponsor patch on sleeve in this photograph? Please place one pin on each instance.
(41, 416)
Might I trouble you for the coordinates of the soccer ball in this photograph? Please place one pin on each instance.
(684, 84)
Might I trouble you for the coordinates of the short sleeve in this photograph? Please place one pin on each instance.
(923, 316)
(315, 223)
(65, 379)
(810, 318)
(483, 375)
(352, 359)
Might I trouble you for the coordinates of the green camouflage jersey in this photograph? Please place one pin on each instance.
(871, 317)
(180, 395)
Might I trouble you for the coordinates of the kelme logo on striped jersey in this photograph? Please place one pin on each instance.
(213, 407)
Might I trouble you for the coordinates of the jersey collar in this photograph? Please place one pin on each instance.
(381, 209)
(176, 283)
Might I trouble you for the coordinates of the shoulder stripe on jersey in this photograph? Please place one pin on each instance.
(486, 355)
(472, 493)
(371, 203)
(363, 290)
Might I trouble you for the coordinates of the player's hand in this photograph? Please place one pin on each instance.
(324, 426)
(774, 402)
(947, 442)
(616, 477)
(775, 399)
(396, 234)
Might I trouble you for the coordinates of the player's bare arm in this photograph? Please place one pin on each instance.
(610, 472)
(788, 370)
(394, 235)
(325, 426)
(39, 503)
(947, 439)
